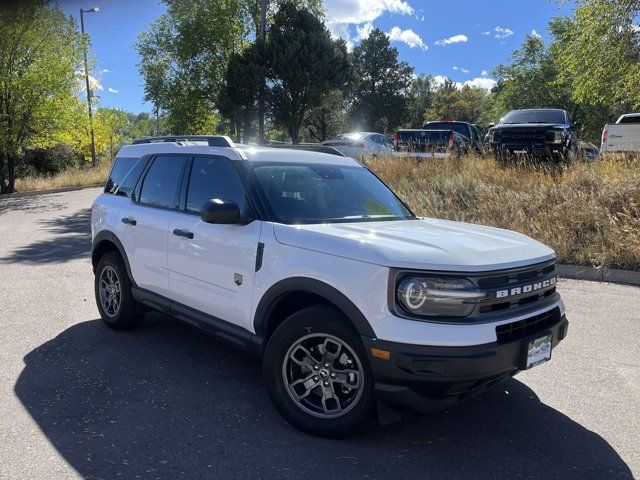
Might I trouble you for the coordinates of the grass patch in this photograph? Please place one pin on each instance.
(588, 212)
(68, 178)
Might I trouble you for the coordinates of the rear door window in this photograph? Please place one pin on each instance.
(124, 175)
(162, 183)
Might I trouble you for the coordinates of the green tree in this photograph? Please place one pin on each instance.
(184, 56)
(327, 118)
(303, 63)
(379, 101)
(420, 95)
(601, 60)
(39, 53)
(464, 104)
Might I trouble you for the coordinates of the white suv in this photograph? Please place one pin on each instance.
(308, 260)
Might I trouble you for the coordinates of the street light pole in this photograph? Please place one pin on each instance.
(94, 160)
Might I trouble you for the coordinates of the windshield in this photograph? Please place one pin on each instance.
(460, 128)
(534, 116)
(311, 193)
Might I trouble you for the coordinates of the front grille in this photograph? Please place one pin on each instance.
(510, 332)
(525, 136)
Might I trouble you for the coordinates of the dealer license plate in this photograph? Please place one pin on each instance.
(538, 351)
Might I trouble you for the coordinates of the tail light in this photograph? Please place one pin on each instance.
(451, 140)
(605, 137)
(395, 141)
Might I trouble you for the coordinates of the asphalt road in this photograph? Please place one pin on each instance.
(79, 400)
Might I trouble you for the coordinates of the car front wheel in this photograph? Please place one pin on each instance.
(317, 374)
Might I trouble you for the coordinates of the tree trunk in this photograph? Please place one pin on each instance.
(11, 170)
(3, 184)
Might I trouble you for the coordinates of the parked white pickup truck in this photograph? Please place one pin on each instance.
(622, 136)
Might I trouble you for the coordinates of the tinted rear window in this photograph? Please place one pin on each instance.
(534, 116)
(124, 175)
(630, 119)
(460, 128)
(438, 137)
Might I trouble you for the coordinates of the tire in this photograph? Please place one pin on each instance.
(120, 312)
(298, 337)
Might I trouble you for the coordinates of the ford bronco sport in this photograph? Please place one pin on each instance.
(309, 261)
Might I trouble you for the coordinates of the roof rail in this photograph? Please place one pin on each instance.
(212, 140)
(313, 147)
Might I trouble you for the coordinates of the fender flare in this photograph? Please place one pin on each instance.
(106, 236)
(308, 285)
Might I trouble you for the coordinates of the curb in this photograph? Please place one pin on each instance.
(602, 274)
(32, 193)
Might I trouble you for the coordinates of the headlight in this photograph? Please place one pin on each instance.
(558, 137)
(435, 297)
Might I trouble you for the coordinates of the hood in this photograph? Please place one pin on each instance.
(426, 244)
(503, 126)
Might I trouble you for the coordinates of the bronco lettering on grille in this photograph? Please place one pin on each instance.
(526, 288)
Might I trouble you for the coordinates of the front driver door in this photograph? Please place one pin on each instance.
(213, 271)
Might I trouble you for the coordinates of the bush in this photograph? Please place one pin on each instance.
(49, 161)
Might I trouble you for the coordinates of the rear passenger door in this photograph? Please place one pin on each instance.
(147, 221)
(213, 272)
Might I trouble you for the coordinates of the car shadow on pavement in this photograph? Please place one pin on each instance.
(65, 238)
(165, 401)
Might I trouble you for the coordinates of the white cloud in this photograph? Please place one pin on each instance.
(112, 90)
(361, 11)
(439, 81)
(480, 82)
(408, 36)
(484, 73)
(94, 83)
(503, 32)
(486, 33)
(535, 34)
(463, 70)
(460, 38)
(106, 70)
(341, 14)
(364, 30)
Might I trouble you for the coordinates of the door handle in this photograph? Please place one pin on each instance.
(129, 221)
(183, 233)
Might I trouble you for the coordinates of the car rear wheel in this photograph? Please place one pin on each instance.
(112, 289)
(317, 374)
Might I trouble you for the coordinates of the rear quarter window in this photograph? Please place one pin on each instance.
(124, 175)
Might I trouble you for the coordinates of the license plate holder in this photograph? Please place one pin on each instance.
(538, 350)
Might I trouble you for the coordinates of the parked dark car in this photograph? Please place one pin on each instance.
(429, 143)
(465, 129)
(545, 133)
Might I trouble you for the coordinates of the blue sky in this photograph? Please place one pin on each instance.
(461, 39)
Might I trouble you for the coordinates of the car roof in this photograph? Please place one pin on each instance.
(238, 153)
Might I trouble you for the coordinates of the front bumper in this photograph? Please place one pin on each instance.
(533, 149)
(422, 379)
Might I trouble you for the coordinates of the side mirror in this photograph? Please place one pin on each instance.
(223, 212)
(577, 127)
(491, 125)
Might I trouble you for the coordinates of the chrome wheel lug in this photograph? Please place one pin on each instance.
(326, 365)
(325, 383)
(316, 378)
(333, 374)
(316, 367)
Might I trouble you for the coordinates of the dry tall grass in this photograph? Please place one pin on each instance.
(68, 178)
(588, 212)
